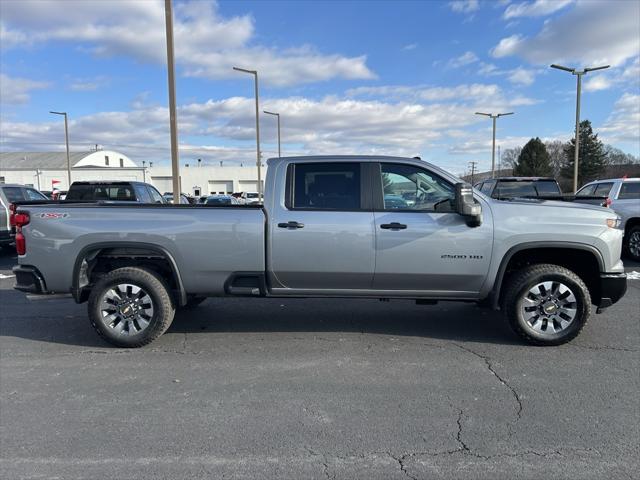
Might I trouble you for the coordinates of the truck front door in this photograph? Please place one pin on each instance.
(422, 244)
(321, 230)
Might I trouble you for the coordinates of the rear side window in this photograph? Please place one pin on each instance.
(629, 191)
(547, 187)
(326, 186)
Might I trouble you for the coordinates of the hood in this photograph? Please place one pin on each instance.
(553, 203)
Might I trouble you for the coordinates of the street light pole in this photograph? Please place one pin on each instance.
(278, 116)
(173, 120)
(258, 160)
(493, 145)
(579, 74)
(66, 139)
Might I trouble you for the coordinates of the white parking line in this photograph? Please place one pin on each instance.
(633, 275)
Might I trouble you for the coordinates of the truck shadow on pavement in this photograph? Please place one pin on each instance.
(62, 321)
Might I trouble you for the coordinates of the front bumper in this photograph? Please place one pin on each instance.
(613, 286)
(29, 280)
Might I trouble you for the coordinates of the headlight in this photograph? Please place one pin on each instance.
(614, 222)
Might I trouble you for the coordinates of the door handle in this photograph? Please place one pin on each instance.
(291, 225)
(393, 226)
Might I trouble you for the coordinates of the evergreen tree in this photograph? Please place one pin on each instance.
(533, 160)
(592, 157)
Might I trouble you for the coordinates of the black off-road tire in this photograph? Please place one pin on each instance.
(156, 289)
(633, 231)
(519, 285)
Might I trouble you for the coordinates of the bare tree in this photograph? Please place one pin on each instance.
(555, 149)
(510, 157)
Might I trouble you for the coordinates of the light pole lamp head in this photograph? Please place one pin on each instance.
(503, 114)
(485, 114)
(252, 72)
(596, 68)
(560, 67)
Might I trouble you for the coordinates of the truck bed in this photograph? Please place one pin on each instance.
(209, 242)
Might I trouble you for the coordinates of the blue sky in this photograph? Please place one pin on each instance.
(377, 77)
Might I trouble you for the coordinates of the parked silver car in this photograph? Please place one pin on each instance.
(623, 197)
(13, 193)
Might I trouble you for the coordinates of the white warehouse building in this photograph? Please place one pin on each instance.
(48, 170)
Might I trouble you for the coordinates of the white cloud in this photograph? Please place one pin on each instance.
(537, 8)
(622, 124)
(88, 84)
(522, 76)
(464, 6)
(207, 44)
(411, 46)
(625, 77)
(593, 32)
(14, 90)
(466, 58)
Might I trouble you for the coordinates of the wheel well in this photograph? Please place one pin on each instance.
(582, 262)
(95, 263)
(632, 222)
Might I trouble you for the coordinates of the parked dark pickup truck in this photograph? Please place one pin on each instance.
(547, 188)
(360, 227)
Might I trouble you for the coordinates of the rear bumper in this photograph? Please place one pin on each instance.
(613, 286)
(29, 280)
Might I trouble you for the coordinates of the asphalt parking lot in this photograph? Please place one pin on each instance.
(323, 389)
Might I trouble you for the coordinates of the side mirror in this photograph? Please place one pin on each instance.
(467, 206)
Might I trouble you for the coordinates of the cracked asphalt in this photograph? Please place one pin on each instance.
(326, 389)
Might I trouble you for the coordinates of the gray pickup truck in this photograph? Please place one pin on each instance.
(349, 226)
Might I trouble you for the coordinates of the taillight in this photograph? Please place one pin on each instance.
(20, 220)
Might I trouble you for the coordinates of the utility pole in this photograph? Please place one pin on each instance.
(173, 120)
(579, 74)
(66, 140)
(499, 161)
(473, 171)
(278, 116)
(144, 172)
(493, 148)
(258, 159)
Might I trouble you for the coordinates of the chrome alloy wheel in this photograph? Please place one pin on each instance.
(634, 244)
(126, 308)
(549, 308)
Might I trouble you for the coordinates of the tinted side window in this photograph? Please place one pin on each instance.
(155, 195)
(547, 187)
(515, 189)
(586, 191)
(406, 187)
(326, 186)
(142, 194)
(487, 187)
(603, 189)
(32, 194)
(629, 190)
(13, 194)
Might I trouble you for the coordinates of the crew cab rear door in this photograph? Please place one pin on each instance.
(322, 229)
(422, 244)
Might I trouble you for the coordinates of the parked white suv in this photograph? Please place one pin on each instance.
(623, 196)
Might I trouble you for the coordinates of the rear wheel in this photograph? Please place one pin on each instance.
(130, 307)
(632, 243)
(547, 304)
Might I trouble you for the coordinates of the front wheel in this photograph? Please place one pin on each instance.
(130, 307)
(547, 304)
